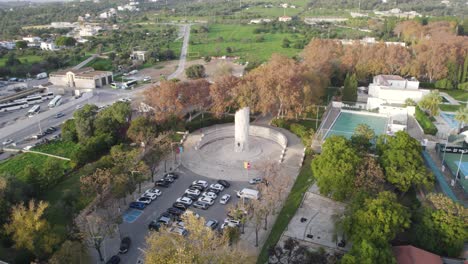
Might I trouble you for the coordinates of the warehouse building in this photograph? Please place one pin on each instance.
(85, 78)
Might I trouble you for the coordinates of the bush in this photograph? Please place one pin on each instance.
(425, 122)
(427, 85)
(444, 84)
(463, 86)
(195, 71)
(280, 122)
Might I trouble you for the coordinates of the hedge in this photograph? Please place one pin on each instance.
(425, 122)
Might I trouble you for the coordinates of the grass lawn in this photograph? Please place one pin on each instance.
(449, 107)
(303, 182)
(241, 39)
(101, 64)
(26, 59)
(460, 95)
(16, 164)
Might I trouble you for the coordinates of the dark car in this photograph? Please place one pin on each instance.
(200, 205)
(113, 260)
(124, 245)
(59, 115)
(180, 206)
(175, 211)
(50, 130)
(198, 187)
(172, 175)
(154, 225)
(162, 183)
(224, 183)
(137, 205)
(213, 190)
(212, 224)
(168, 179)
(191, 196)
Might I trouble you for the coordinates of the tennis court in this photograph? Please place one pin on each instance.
(453, 160)
(346, 123)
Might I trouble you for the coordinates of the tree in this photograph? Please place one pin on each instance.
(462, 116)
(430, 102)
(221, 93)
(377, 220)
(350, 88)
(94, 231)
(52, 171)
(155, 153)
(65, 41)
(69, 131)
(84, 121)
(195, 71)
(366, 252)
(29, 230)
(143, 130)
(72, 252)
(201, 245)
(286, 43)
(165, 100)
(362, 137)
(402, 162)
(21, 44)
(98, 183)
(370, 177)
(441, 226)
(335, 168)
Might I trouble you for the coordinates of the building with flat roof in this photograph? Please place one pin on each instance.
(85, 78)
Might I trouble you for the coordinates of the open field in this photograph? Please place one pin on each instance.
(26, 59)
(242, 40)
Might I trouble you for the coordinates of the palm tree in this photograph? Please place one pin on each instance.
(431, 102)
(462, 116)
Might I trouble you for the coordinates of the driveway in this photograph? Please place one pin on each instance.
(138, 229)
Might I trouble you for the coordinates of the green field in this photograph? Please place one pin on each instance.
(26, 59)
(16, 164)
(101, 64)
(449, 107)
(241, 39)
(460, 95)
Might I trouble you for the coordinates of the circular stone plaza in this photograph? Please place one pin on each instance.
(224, 151)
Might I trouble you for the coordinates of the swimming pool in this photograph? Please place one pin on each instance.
(346, 123)
(450, 119)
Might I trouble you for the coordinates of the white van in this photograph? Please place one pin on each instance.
(248, 193)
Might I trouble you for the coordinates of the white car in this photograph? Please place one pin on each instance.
(155, 191)
(206, 200)
(146, 79)
(79, 107)
(144, 200)
(211, 195)
(230, 222)
(184, 200)
(192, 191)
(152, 196)
(225, 199)
(217, 186)
(201, 183)
(7, 142)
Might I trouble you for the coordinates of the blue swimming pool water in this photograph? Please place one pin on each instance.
(347, 122)
(450, 119)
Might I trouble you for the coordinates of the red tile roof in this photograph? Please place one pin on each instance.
(414, 255)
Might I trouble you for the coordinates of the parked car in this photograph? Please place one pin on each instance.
(211, 195)
(147, 79)
(168, 179)
(224, 183)
(198, 187)
(191, 196)
(137, 205)
(50, 130)
(230, 222)
(180, 206)
(144, 200)
(114, 260)
(190, 212)
(165, 219)
(59, 115)
(124, 245)
(225, 199)
(217, 186)
(201, 183)
(172, 175)
(192, 191)
(185, 200)
(179, 230)
(175, 211)
(154, 225)
(213, 191)
(200, 205)
(255, 180)
(212, 224)
(155, 191)
(162, 183)
(151, 196)
(206, 200)
(7, 142)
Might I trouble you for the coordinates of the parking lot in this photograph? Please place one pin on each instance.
(137, 230)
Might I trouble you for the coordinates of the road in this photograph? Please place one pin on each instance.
(138, 230)
(183, 53)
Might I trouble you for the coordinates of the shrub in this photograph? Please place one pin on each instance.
(195, 71)
(280, 122)
(425, 122)
(444, 84)
(463, 86)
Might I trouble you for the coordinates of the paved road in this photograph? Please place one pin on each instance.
(183, 53)
(138, 230)
(83, 63)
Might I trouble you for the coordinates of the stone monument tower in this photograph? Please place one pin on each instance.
(241, 124)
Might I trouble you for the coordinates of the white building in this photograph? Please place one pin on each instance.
(108, 14)
(393, 90)
(62, 25)
(48, 46)
(260, 20)
(89, 30)
(284, 18)
(9, 45)
(32, 39)
(85, 78)
(138, 55)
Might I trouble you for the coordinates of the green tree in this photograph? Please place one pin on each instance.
(350, 88)
(441, 227)
(362, 137)
(52, 171)
(65, 41)
(335, 168)
(377, 220)
(143, 130)
(196, 71)
(69, 131)
(430, 102)
(369, 176)
(71, 252)
(33, 177)
(366, 252)
(84, 121)
(21, 44)
(402, 162)
(462, 116)
(286, 43)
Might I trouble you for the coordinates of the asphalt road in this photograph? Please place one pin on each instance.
(138, 230)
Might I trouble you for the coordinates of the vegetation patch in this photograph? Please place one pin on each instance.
(425, 122)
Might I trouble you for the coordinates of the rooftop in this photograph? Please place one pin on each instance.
(414, 255)
(83, 72)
